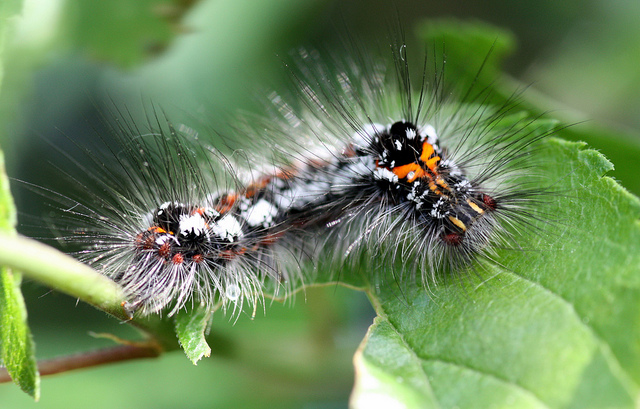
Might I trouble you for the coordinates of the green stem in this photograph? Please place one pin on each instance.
(62, 272)
(65, 274)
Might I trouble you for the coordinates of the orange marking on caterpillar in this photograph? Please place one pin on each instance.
(254, 188)
(442, 183)
(226, 203)
(145, 241)
(458, 223)
(271, 238)
(178, 258)
(231, 254)
(413, 171)
(434, 188)
(425, 157)
(404, 171)
(475, 207)
(165, 250)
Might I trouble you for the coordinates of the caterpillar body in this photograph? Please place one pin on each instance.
(372, 166)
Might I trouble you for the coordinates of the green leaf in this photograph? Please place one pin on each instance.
(17, 350)
(17, 347)
(190, 328)
(387, 371)
(557, 326)
(467, 45)
(471, 52)
(621, 147)
(8, 10)
(121, 31)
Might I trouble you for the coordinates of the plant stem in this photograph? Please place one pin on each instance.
(94, 358)
(61, 272)
(65, 274)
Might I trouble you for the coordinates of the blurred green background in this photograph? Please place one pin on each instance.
(201, 61)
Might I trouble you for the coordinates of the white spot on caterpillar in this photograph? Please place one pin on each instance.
(164, 238)
(436, 210)
(192, 224)
(227, 228)
(430, 132)
(261, 213)
(385, 174)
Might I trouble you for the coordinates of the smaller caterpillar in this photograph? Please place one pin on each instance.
(438, 187)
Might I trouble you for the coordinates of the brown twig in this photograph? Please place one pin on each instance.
(93, 358)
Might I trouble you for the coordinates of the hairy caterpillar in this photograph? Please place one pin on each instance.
(375, 164)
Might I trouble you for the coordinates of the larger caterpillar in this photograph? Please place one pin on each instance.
(404, 174)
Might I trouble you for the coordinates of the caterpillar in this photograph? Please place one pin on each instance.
(373, 165)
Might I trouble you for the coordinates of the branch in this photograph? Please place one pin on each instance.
(94, 358)
(65, 274)
(62, 272)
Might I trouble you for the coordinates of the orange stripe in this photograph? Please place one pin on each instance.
(434, 188)
(404, 170)
(458, 223)
(427, 151)
(418, 171)
(441, 182)
(226, 203)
